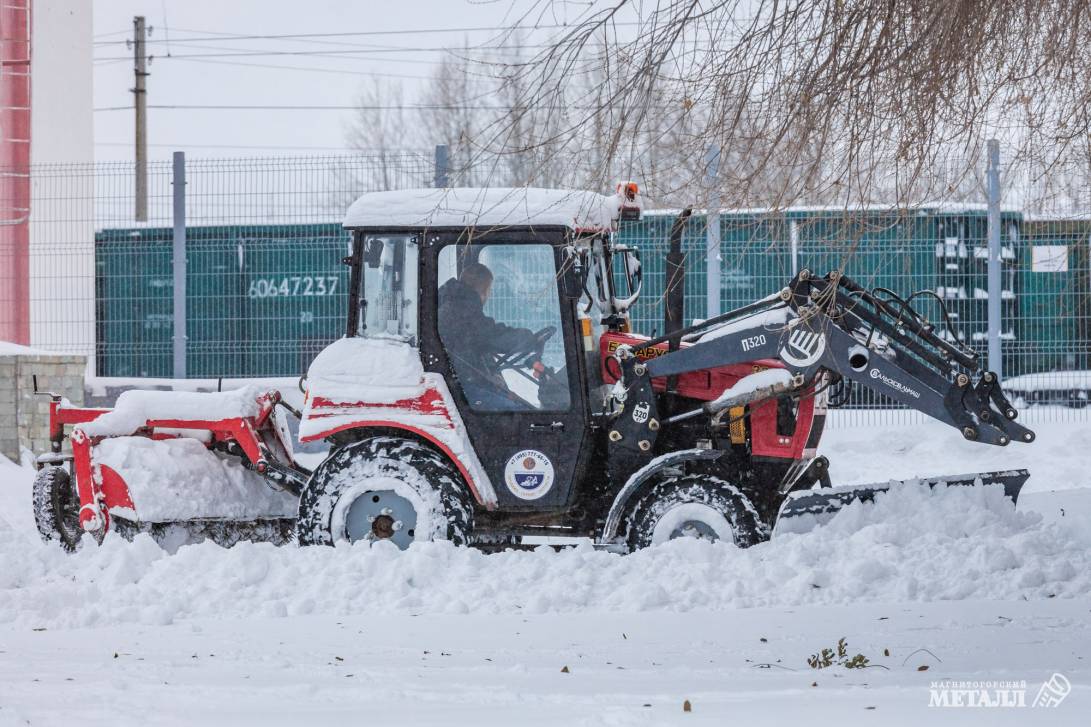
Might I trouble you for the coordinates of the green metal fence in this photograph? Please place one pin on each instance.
(262, 301)
(933, 249)
(1053, 322)
(265, 285)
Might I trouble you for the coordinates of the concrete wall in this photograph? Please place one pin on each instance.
(24, 417)
(62, 203)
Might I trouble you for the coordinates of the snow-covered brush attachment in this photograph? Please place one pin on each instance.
(204, 465)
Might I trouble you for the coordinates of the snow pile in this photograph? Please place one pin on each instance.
(914, 544)
(773, 319)
(135, 408)
(375, 370)
(106, 386)
(767, 379)
(863, 447)
(178, 479)
(496, 207)
(1049, 381)
(7, 348)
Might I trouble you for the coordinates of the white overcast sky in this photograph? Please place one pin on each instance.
(331, 81)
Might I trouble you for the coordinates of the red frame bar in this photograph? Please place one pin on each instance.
(392, 424)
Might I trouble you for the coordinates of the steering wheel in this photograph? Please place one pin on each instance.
(530, 352)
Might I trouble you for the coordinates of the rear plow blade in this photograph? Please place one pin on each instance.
(822, 503)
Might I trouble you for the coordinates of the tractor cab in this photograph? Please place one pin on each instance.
(501, 294)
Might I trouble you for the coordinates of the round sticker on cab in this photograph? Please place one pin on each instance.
(529, 474)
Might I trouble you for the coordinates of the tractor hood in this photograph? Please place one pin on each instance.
(375, 370)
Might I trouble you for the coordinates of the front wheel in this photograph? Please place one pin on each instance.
(57, 507)
(693, 506)
(384, 488)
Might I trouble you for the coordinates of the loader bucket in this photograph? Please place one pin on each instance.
(822, 503)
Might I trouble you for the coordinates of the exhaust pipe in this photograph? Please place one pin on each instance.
(674, 311)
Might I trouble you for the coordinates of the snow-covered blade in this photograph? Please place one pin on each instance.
(821, 503)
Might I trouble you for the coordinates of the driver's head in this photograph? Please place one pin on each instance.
(478, 277)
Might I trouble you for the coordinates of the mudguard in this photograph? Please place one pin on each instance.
(642, 475)
(356, 383)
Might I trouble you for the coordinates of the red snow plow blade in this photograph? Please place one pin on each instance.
(214, 463)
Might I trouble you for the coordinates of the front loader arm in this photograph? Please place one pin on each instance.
(832, 326)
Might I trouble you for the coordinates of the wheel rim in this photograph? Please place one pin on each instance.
(381, 515)
(692, 520)
(694, 529)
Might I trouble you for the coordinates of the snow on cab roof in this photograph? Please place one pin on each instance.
(484, 207)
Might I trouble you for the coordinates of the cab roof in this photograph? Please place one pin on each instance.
(479, 207)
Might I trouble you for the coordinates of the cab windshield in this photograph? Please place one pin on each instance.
(388, 288)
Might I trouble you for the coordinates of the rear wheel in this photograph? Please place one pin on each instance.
(384, 488)
(57, 507)
(693, 506)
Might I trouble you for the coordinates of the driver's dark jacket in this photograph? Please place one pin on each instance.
(470, 336)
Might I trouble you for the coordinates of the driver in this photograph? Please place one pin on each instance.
(472, 338)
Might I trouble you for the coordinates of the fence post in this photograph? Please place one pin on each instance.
(442, 166)
(712, 233)
(994, 282)
(793, 244)
(179, 265)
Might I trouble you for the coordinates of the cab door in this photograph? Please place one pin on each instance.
(525, 414)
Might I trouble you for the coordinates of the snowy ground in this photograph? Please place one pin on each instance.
(955, 581)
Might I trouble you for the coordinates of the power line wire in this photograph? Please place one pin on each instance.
(236, 146)
(302, 68)
(360, 107)
(116, 32)
(244, 51)
(335, 46)
(367, 33)
(344, 53)
(240, 107)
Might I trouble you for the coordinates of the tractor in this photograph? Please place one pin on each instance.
(489, 388)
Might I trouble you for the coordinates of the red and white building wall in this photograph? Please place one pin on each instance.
(15, 32)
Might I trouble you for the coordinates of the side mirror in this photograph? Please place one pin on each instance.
(634, 271)
(634, 274)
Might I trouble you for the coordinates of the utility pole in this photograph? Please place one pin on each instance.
(141, 106)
